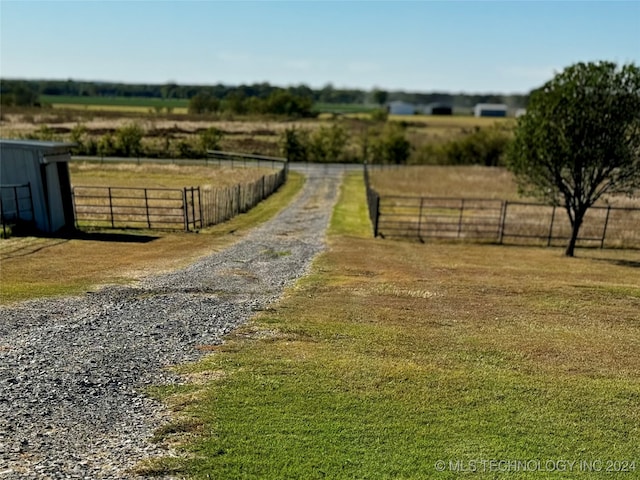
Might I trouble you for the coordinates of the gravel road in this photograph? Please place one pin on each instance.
(72, 370)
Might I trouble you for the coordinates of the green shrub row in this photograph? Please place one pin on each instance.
(378, 142)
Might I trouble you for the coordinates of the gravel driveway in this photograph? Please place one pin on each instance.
(72, 369)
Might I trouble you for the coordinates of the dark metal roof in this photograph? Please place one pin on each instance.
(36, 144)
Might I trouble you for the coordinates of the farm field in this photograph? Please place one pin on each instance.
(164, 131)
(401, 360)
(464, 181)
(157, 175)
(63, 101)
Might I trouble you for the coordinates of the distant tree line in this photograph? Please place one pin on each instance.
(13, 92)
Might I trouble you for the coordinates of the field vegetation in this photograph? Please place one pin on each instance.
(391, 356)
(464, 181)
(429, 139)
(158, 175)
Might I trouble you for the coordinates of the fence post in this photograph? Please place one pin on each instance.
(200, 207)
(503, 221)
(75, 208)
(550, 236)
(146, 204)
(17, 200)
(377, 217)
(111, 208)
(604, 229)
(33, 213)
(185, 209)
(193, 208)
(460, 217)
(420, 219)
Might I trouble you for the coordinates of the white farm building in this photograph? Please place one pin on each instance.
(490, 110)
(401, 108)
(35, 188)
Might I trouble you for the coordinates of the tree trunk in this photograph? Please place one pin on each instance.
(575, 229)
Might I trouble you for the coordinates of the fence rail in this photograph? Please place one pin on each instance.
(16, 206)
(113, 207)
(497, 221)
(189, 208)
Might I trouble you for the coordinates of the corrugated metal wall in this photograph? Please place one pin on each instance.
(21, 165)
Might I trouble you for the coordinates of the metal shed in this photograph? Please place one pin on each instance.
(490, 110)
(34, 184)
(438, 109)
(401, 108)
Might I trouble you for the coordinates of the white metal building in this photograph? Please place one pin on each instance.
(490, 110)
(42, 170)
(401, 108)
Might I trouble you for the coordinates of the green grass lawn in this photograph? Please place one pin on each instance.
(390, 357)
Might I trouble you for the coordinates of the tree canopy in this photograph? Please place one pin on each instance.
(580, 139)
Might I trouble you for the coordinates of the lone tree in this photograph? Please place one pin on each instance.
(380, 96)
(580, 139)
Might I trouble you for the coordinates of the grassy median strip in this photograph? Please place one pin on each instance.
(36, 267)
(390, 357)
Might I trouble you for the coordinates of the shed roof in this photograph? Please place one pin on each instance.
(37, 144)
(48, 152)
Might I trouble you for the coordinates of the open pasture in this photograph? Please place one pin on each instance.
(391, 357)
(63, 101)
(482, 203)
(160, 175)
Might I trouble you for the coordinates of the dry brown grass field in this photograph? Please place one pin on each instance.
(249, 135)
(471, 181)
(160, 175)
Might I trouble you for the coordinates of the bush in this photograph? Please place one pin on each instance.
(379, 115)
(327, 144)
(294, 145)
(129, 140)
(210, 139)
(107, 145)
(483, 147)
(392, 145)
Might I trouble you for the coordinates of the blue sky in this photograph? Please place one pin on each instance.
(420, 46)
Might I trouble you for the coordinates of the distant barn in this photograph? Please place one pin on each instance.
(438, 109)
(490, 110)
(401, 108)
(35, 188)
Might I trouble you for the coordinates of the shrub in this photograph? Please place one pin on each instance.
(379, 115)
(210, 139)
(392, 145)
(107, 145)
(483, 147)
(327, 144)
(294, 144)
(129, 140)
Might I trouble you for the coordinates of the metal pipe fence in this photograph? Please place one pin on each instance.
(189, 208)
(497, 221)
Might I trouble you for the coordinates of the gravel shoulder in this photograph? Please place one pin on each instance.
(72, 370)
